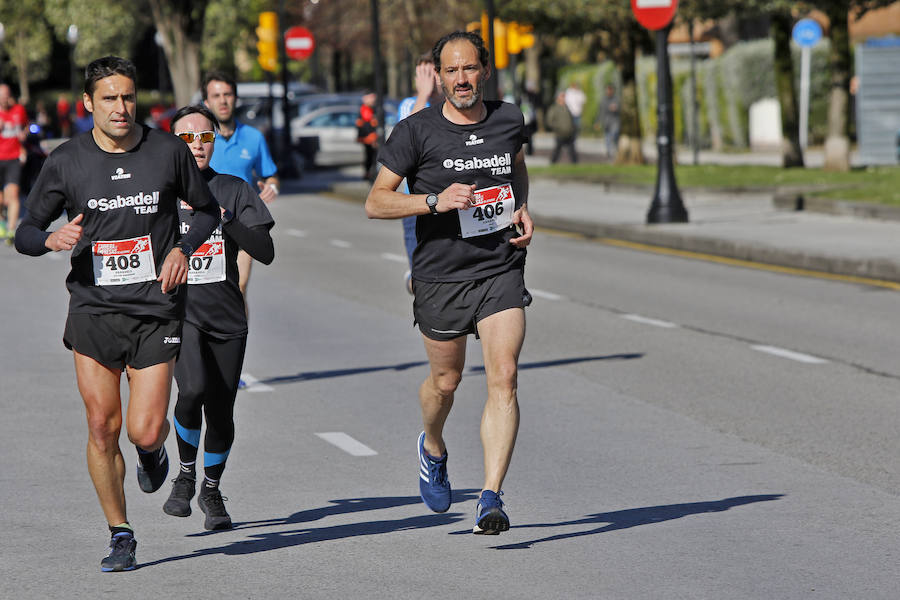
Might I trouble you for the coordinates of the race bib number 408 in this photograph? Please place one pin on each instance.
(493, 210)
(207, 264)
(120, 262)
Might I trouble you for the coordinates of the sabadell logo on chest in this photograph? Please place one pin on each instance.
(142, 203)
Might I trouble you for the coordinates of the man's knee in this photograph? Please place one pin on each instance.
(103, 429)
(503, 377)
(445, 383)
(148, 431)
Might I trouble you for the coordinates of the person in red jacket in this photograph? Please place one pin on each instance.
(12, 133)
(367, 134)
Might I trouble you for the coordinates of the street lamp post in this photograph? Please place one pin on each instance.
(667, 206)
(72, 38)
(2, 38)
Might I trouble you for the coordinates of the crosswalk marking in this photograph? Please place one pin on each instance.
(347, 443)
(296, 233)
(394, 257)
(341, 244)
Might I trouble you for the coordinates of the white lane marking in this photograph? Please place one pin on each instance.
(341, 244)
(790, 354)
(347, 443)
(544, 295)
(394, 257)
(253, 384)
(649, 321)
(55, 255)
(296, 232)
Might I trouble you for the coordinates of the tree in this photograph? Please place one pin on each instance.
(180, 25)
(27, 41)
(620, 37)
(837, 142)
(121, 25)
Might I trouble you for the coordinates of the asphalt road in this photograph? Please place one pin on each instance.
(689, 430)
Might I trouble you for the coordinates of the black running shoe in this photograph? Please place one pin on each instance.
(212, 504)
(179, 502)
(152, 479)
(121, 553)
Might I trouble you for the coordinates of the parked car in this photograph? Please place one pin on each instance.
(326, 136)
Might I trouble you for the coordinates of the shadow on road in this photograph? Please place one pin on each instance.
(634, 517)
(263, 542)
(312, 375)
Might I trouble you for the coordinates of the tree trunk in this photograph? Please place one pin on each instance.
(21, 60)
(837, 144)
(181, 32)
(630, 150)
(791, 153)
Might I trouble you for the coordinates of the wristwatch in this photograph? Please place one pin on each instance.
(431, 200)
(184, 247)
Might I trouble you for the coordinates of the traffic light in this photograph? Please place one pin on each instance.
(501, 56)
(267, 46)
(526, 36)
(518, 37)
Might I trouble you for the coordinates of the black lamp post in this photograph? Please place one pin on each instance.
(667, 206)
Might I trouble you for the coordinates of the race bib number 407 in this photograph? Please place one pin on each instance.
(120, 262)
(207, 264)
(493, 210)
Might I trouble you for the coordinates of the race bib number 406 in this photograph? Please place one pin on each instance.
(493, 210)
(120, 262)
(207, 264)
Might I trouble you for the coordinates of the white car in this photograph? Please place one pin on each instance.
(327, 136)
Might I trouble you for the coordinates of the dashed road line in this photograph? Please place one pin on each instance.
(400, 258)
(347, 443)
(790, 354)
(649, 321)
(296, 233)
(545, 294)
(253, 384)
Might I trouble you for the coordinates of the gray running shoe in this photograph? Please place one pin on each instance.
(179, 502)
(212, 503)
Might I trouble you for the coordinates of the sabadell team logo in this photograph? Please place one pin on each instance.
(499, 165)
(142, 203)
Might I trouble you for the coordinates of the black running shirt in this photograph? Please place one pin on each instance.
(130, 206)
(214, 300)
(432, 153)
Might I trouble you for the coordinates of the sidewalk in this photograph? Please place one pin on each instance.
(747, 226)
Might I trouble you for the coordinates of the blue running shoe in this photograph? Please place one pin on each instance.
(434, 486)
(121, 553)
(490, 518)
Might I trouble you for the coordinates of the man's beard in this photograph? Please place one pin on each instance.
(463, 104)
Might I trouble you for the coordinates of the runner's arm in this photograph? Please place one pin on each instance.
(521, 218)
(255, 241)
(206, 219)
(384, 202)
(30, 238)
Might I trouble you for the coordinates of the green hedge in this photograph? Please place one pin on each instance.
(726, 88)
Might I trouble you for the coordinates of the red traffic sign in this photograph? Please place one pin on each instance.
(299, 43)
(654, 14)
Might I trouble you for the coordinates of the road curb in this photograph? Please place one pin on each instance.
(669, 236)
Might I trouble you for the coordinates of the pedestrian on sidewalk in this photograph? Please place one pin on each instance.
(611, 120)
(560, 122)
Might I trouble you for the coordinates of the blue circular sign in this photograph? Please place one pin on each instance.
(807, 32)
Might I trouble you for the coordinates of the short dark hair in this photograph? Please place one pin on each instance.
(195, 109)
(218, 76)
(107, 67)
(471, 37)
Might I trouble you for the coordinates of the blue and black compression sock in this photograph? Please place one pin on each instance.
(188, 441)
(150, 459)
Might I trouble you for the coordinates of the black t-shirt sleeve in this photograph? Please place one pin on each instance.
(45, 204)
(399, 153)
(251, 224)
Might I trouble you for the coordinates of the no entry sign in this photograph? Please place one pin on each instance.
(654, 14)
(299, 43)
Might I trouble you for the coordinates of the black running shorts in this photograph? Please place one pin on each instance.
(117, 341)
(10, 172)
(449, 310)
